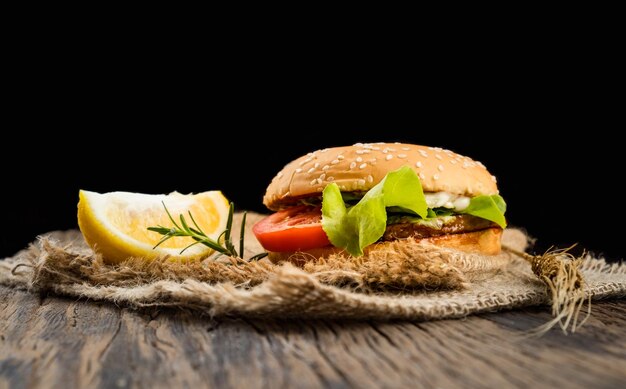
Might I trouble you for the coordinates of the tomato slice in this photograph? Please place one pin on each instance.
(294, 229)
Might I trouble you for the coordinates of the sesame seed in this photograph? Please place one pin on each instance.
(362, 166)
(323, 150)
(401, 155)
(373, 160)
(418, 164)
(452, 161)
(430, 148)
(340, 157)
(391, 148)
(326, 167)
(352, 165)
(406, 148)
(311, 170)
(361, 182)
(440, 167)
(480, 164)
(370, 178)
(358, 144)
(279, 175)
(360, 151)
(298, 170)
(322, 176)
(438, 156)
(310, 154)
(313, 182)
(359, 159)
(367, 151)
(317, 164)
(388, 157)
(331, 178)
(334, 162)
(375, 148)
(385, 150)
(493, 178)
(436, 176)
(422, 176)
(423, 153)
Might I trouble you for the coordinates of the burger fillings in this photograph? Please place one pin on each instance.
(360, 197)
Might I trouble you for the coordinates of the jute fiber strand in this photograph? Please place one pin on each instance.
(417, 282)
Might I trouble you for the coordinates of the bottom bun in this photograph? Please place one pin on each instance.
(485, 242)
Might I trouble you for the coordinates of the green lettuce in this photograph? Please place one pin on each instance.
(356, 227)
(491, 208)
(363, 224)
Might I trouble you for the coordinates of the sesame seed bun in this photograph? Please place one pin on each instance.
(359, 167)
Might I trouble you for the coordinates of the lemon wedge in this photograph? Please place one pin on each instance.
(115, 224)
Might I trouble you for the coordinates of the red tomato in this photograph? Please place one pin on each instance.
(294, 229)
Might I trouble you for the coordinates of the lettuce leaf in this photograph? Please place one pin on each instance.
(491, 208)
(363, 224)
(355, 227)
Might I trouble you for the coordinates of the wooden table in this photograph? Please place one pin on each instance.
(48, 341)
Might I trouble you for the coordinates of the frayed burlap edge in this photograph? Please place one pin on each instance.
(262, 289)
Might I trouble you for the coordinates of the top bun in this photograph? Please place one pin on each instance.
(359, 167)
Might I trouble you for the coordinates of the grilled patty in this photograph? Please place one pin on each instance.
(450, 225)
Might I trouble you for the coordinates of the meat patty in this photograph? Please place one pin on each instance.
(458, 224)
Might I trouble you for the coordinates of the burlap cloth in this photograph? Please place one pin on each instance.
(418, 282)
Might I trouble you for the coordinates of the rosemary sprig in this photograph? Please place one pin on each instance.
(223, 245)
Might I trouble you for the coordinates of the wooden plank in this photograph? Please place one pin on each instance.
(48, 341)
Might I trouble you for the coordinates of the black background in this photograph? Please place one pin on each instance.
(150, 107)
(547, 123)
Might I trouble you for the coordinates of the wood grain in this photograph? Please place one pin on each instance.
(48, 341)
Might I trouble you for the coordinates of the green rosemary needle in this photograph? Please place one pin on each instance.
(223, 245)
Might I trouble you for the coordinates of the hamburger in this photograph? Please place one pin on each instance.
(354, 199)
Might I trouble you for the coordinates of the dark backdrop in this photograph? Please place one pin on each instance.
(155, 109)
(552, 160)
